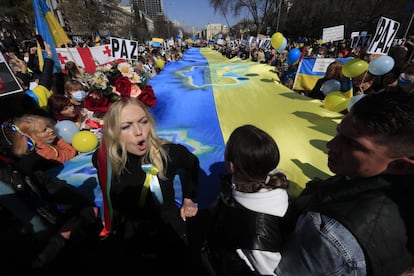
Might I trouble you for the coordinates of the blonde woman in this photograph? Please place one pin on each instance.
(136, 172)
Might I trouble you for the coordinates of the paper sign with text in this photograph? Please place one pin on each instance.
(124, 48)
(8, 81)
(384, 36)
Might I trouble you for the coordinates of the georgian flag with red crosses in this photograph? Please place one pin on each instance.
(88, 58)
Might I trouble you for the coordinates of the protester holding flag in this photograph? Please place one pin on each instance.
(334, 75)
(32, 101)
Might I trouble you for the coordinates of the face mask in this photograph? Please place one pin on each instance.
(26, 59)
(79, 95)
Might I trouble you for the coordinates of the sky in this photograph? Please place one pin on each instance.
(194, 13)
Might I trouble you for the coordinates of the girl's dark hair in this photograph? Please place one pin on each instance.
(254, 154)
(56, 103)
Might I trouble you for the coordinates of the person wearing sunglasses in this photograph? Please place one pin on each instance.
(40, 137)
(47, 225)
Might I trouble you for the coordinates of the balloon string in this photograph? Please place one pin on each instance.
(361, 90)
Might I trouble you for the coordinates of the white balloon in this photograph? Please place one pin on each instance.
(381, 65)
(330, 86)
(66, 129)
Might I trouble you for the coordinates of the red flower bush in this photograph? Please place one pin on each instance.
(114, 81)
(97, 101)
(147, 96)
(123, 86)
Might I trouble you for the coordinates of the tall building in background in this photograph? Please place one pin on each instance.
(152, 8)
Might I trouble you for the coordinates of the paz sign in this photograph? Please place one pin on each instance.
(384, 36)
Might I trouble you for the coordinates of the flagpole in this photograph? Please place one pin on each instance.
(409, 25)
(278, 15)
(67, 48)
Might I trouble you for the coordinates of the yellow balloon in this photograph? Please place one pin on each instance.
(336, 101)
(84, 141)
(160, 63)
(277, 40)
(354, 67)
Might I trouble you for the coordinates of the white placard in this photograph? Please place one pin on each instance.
(333, 33)
(124, 48)
(384, 36)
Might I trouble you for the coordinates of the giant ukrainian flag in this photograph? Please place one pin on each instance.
(204, 96)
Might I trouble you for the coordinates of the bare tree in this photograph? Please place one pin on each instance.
(259, 10)
(355, 15)
(86, 16)
(17, 17)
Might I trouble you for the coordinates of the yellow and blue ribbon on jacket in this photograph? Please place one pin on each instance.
(151, 183)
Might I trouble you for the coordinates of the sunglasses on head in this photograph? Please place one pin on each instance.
(30, 142)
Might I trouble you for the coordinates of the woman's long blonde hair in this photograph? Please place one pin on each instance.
(155, 155)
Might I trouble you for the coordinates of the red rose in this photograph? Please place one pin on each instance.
(96, 101)
(123, 86)
(147, 96)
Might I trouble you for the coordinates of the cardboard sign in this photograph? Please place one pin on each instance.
(361, 41)
(384, 36)
(124, 48)
(333, 33)
(321, 64)
(8, 81)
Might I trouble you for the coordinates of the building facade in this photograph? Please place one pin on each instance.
(152, 8)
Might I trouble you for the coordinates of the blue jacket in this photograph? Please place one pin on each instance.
(351, 227)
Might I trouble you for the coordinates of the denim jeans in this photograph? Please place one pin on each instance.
(321, 246)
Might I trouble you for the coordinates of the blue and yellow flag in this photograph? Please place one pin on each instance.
(49, 28)
(204, 96)
(98, 39)
(312, 69)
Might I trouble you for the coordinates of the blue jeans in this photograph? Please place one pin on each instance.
(321, 246)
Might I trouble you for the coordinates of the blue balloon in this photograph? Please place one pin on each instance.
(293, 56)
(283, 46)
(66, 129)
(330, 86)
(381, 65)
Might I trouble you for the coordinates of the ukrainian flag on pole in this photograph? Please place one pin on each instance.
(312, 69)
(49, 28)
(98, 39)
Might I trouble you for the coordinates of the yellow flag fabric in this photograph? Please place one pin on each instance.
(204, 96)
(52, 32)
(301, 126)
(58, 34)
(157, 39)
(42, 94)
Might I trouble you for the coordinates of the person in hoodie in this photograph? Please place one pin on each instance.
(246, 235)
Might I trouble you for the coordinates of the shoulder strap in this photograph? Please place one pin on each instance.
(105, 177)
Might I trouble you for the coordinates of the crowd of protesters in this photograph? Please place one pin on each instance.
(83, 222)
